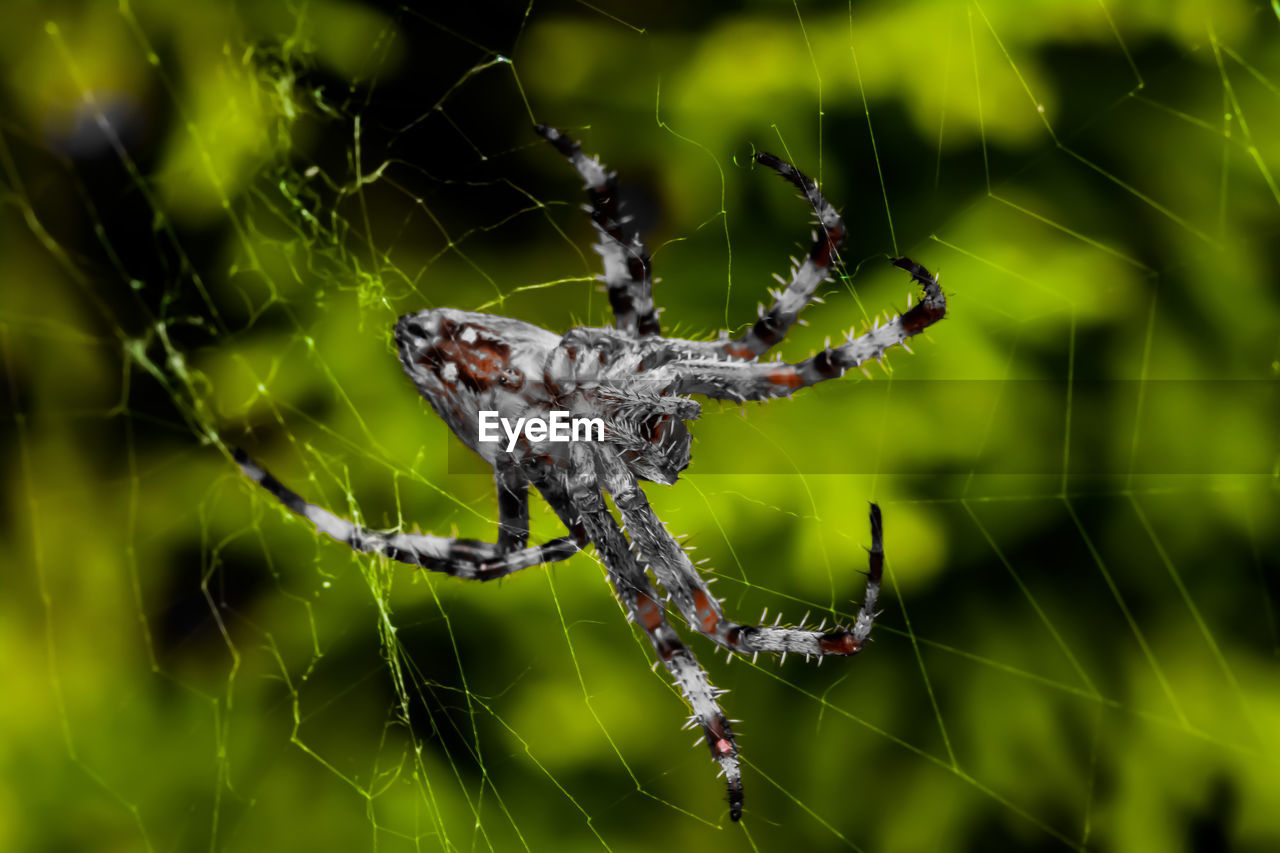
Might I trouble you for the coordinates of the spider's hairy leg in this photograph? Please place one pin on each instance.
(463, 558)
(657, 547)
(554, 488)
(730, 380)
(513, 508)
(700, 608)
(627, 272)
(844, 641)
(773, 324)
(644, 605)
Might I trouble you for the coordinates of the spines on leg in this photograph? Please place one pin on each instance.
(750, 639)
(805, 277)
(643, 604)
(762, 381)
(931, 308)
(628, 276)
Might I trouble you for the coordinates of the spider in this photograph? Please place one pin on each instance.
(637, 382)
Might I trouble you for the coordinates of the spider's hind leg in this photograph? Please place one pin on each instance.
(842, 641)
(643, 604)
(700, 608)
(627, 273)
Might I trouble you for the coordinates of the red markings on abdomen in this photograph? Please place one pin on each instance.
(480, 358)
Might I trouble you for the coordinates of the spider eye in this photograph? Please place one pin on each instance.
(511, 378)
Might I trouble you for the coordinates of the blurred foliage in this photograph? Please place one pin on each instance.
(213, 212)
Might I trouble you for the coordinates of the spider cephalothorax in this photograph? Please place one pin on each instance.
(465, 363)
(635, 383)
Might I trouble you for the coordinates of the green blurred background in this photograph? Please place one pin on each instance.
(213, 212)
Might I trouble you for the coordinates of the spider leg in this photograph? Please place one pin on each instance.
(773, 324)
(554, 488)
(463, 558)
(657, 547)
(513, 508)
(644, 607)
(842, 641)
(729, 380)
(627, 273)
(700, 608)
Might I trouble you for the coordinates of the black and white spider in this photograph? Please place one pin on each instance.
(636, 381)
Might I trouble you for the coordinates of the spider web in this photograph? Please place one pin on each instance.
(214, 215)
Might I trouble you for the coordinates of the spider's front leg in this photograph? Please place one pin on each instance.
(645, 609)
(627, 272)
(701, 609)
(463, 558)
(745, 380)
